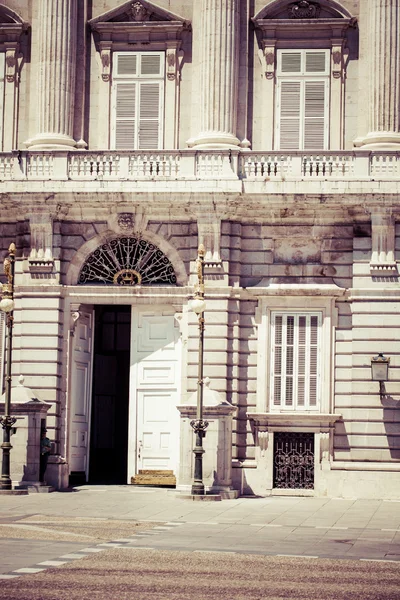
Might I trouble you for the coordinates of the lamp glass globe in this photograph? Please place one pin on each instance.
(7, 305)
(197, 305)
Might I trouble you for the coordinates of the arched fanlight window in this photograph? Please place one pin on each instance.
(127, 261)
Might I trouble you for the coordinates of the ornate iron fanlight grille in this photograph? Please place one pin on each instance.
(293, 460)
(127, 261)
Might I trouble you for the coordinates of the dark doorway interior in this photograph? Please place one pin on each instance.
(110, 402)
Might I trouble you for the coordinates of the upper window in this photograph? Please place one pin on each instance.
(302, 99)
(295, 361)
(137, 100)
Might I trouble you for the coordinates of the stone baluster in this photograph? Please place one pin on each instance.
(384, 74)
(219, 68)
(55, 44)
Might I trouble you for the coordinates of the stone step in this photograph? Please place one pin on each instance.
(156, 477)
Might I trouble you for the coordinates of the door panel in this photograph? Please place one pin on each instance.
(154, 385)
(81, 375)
(154, 429)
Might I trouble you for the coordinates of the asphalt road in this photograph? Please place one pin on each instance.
(136, 574)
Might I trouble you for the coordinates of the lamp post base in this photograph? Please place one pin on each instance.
(200, 497)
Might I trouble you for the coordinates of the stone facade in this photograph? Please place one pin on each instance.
(268, 131)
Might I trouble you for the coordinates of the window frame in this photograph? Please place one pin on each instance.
(295, 299)
(137, 80)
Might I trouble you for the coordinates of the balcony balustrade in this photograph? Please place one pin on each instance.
(203, 165)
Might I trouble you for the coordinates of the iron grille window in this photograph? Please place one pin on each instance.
(295, 361)
(127, 261)
(293, 460)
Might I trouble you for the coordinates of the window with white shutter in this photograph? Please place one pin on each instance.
(295, 361)
(302, 98)
(137, 100)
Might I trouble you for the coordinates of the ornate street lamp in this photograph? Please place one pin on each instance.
(380, 371)
(197, 304)
(7, 422)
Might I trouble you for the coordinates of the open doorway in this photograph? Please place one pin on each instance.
(110, 396)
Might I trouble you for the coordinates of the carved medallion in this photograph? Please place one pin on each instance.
(304, 10)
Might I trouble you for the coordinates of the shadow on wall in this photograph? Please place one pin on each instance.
(391, 421)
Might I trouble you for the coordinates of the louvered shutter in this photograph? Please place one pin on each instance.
(125, 115)
(313, 368)
(277, 360)
(2, 72)
(127, 65)
(295, 362)
(151, 65)
(289, 93)
(2, 349)
(150, 116)
(315, 122)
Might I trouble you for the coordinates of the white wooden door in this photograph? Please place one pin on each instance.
(155, 387)
(81, 391)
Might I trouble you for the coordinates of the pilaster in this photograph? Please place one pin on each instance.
(219, 70)
(384, 68)
(56, 41)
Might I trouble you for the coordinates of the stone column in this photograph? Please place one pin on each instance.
(55, 45)
(384, 74)
(219, 68)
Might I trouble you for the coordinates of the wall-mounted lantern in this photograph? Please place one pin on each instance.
(380, 371)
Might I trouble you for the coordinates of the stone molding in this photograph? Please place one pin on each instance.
(383, 263)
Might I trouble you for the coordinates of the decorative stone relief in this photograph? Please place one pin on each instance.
(128, 222)
(174, 63)
(304, 10)
(41, 254)
(209, 229)
(324, 441)
(267, 57)
(383, 244)
(139, 13)
(263, 442)
(11, 63)
(105, 56)
(74, 318)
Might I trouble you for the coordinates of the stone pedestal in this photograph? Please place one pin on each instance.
(55, 29)
(384, 70)
(217, 444)
(219, 70)
(30, 413)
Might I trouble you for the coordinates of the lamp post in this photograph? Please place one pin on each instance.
(7, 306)
(197, 304)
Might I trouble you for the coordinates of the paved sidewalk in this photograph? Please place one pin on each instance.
(291, 526)
(160, 505)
